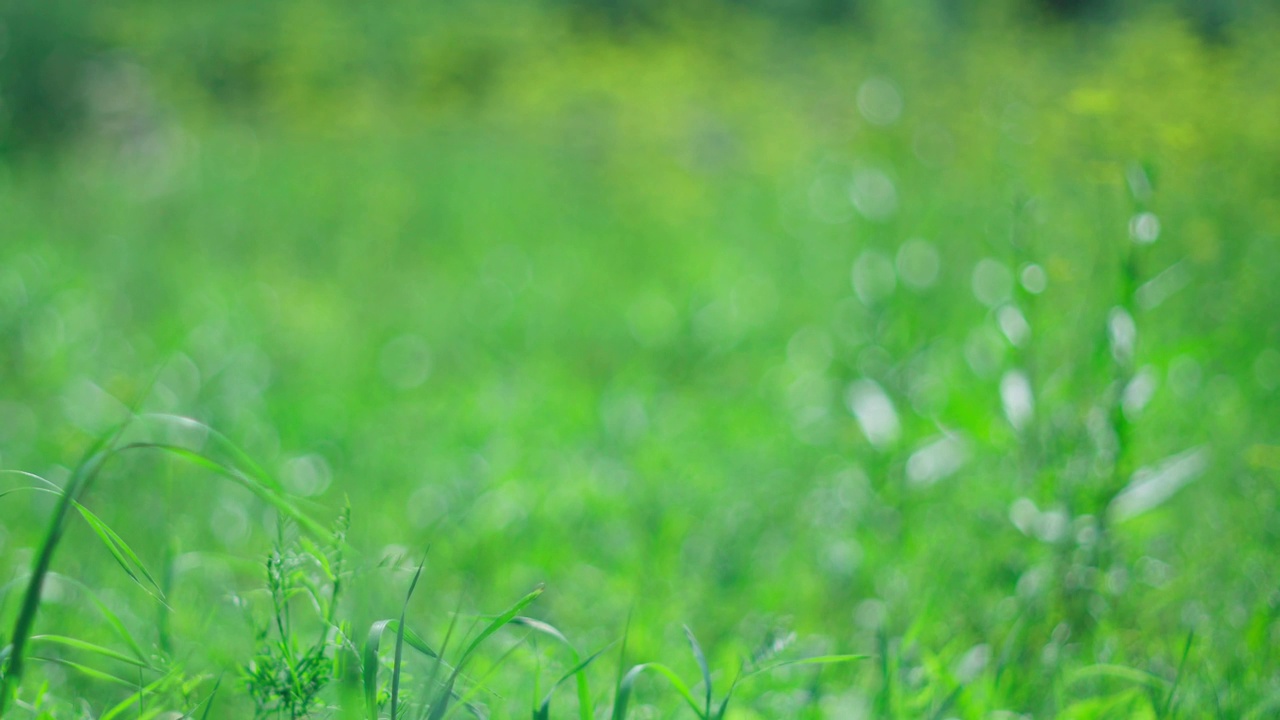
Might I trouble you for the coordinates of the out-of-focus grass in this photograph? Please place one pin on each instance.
(603, 320)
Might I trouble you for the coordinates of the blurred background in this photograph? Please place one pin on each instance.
(943, 330)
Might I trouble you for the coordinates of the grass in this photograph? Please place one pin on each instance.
(692, 329)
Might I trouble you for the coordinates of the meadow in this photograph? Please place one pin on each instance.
(922, 367)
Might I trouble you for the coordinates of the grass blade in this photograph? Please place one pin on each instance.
(947, 703)
(395, 668)
(545, 629)
(500, 621)
(465, 700)
(702, 664)
(120, 551)
(628, 682)
(259, 485)
(1119, 672)
(435, 669)
(116, 546)
(438, 711)
(586, 711)
(370, 657)
(239, 457)
(544, 710)
(1177, 679)
(88, 647)
(81, 478)
(112, 620)
(207, 702)
(816, 660)
(117, 625)
(373, 641)
(88, 671)
(138, 696)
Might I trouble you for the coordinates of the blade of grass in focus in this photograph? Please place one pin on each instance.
(543, 712)
(81, 478)
(441, 707)
(585, 706)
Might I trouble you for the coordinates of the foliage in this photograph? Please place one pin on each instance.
(943, 338)
(283, 678)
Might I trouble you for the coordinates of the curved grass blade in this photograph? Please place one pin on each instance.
(138, 696)
(626, 685)
(497, 623)
(121, 552)
(702, 665)
(586, 710)
(440, 708)
(947, 702)
(435, 669)
(465, 699)
(207, 702)
(374, 641)
(117, 625)
(112, 620)
(622, 663)
(546, 629)
(544, 710)
(260, 485)
(116, 546)
(81, 478)
(89, 647)
(86, 471)
(88, 671)
(241, 458)
(815, 660)
(1119, 672)
(395, 668)
(1177, 679)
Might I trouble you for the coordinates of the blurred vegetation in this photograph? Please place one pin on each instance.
(937, 331)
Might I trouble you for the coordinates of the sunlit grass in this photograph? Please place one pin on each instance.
(951, 349)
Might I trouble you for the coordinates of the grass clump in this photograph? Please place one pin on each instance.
(951, 342)
(297, 659)
(285, 678)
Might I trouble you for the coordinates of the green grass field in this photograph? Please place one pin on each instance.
(954, 349)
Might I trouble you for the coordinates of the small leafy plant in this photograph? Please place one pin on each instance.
(704, 706)
(285, 677)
